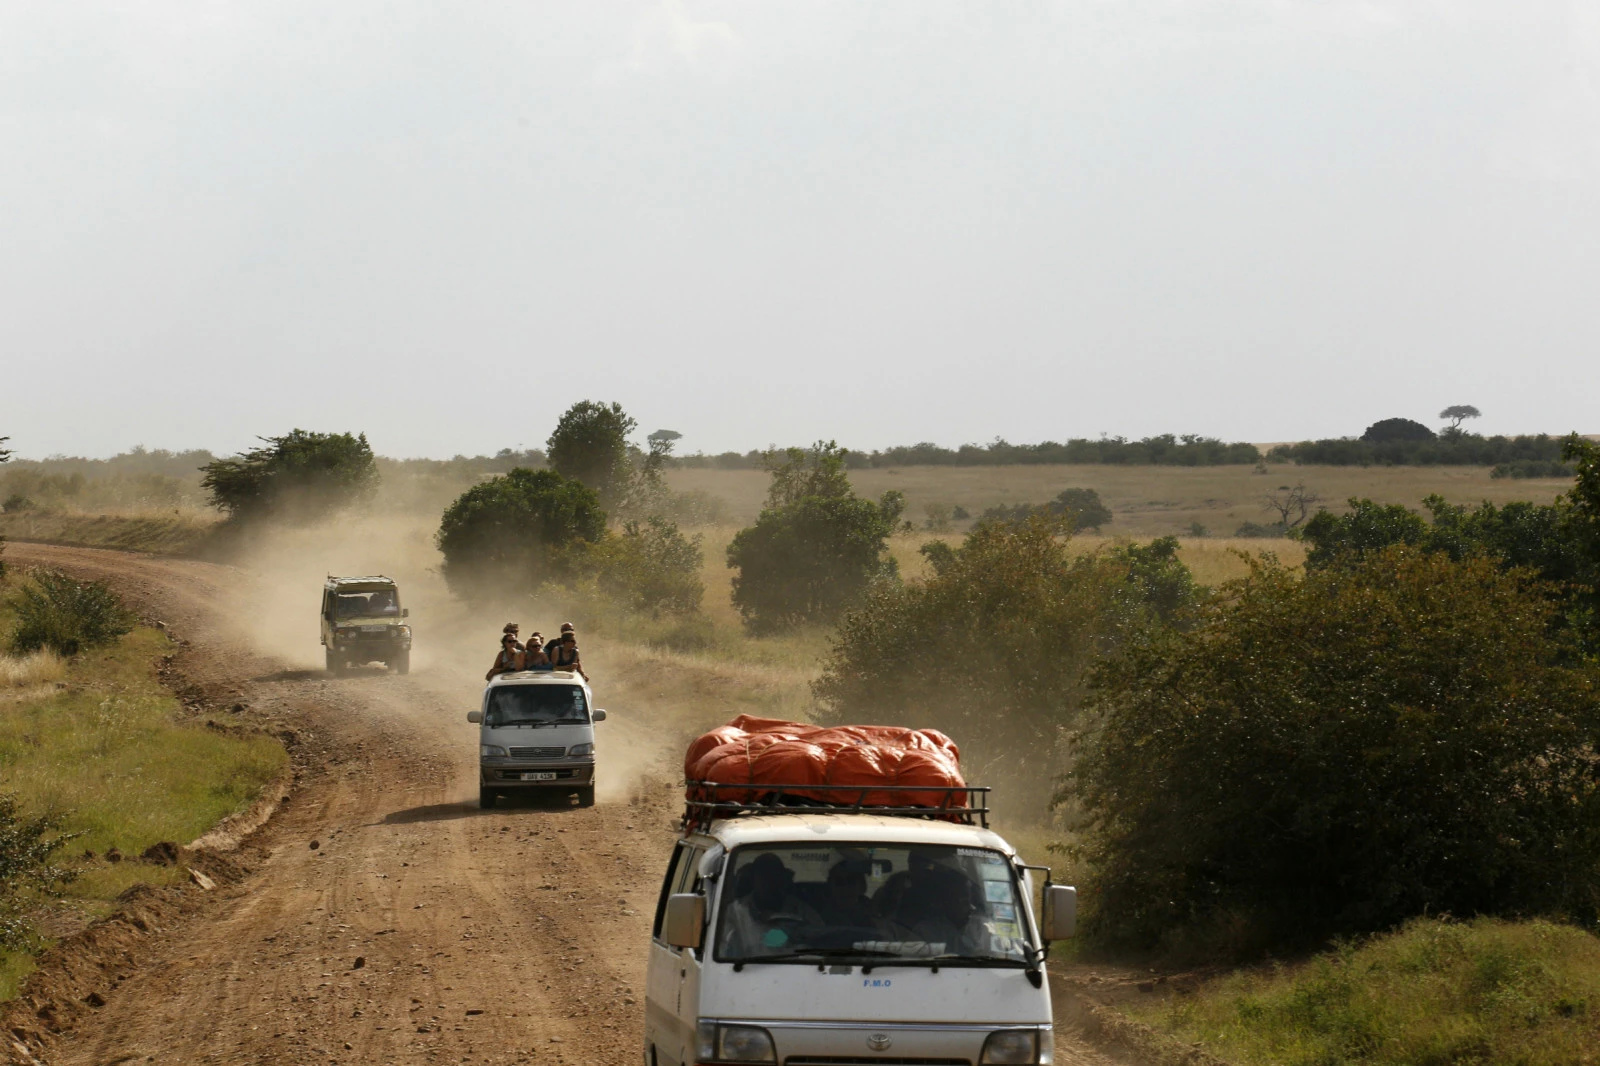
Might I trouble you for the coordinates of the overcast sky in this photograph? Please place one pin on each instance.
(880, 221)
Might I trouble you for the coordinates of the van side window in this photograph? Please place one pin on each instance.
(669, 885)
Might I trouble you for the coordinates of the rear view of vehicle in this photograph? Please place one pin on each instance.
(536, 733)
(363, 622)
(808, 923)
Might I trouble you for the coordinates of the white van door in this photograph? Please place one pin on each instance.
(669, 1033)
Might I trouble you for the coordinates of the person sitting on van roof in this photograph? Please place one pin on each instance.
(566, 627)
(509, 659)
(534, 657)
(765, 917)
(566, 655)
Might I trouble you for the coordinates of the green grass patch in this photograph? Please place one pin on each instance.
(103, 748)
(1436, 992)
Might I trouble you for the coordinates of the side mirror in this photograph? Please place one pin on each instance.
(599, 715)
(405, 612)
(1060, 912)
(475, 717)
(684, 922)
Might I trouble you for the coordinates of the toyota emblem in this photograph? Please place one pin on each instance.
(879, 1041)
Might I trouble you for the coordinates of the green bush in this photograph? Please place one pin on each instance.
(816, 546)
(57, 612)
(992, 648)
(1082, 506)
(651, 567)
(26, 848)
(1334, 754)
(301, 476)
(505, 536)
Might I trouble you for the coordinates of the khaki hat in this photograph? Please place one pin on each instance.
(566, 627)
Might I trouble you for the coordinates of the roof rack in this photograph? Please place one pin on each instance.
(968, 804)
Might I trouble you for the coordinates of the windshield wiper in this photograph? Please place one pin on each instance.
(817, 953)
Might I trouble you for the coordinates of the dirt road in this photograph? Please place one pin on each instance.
(388, 919)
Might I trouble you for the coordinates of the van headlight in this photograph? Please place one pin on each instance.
(734, 1043)
(579, 750)
(1018, 1047)
(491, 751)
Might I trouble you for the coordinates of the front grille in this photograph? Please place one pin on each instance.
(516, 775)
(537, 753)
(876, 1060)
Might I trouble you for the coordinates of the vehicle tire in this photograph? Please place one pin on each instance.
(486, 797)
(402, 662)
(586, 796)
(331, 659)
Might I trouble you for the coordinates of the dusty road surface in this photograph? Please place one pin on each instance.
(388, 919)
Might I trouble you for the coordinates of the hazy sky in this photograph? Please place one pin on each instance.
(876, 220)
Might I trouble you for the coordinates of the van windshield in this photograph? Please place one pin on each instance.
(535, 705)
(799, 902)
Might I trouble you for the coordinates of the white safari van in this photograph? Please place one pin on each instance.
(536, 731)
(804, 936)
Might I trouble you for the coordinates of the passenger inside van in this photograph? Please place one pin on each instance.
(845, 902)
(952, 915)
(767, 913)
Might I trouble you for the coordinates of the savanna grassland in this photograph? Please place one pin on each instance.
(1145, 501)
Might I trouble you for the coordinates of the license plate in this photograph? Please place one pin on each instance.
(539, 775)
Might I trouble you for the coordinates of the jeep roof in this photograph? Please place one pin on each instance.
(373, 583)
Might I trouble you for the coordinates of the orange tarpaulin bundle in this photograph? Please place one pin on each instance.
(772, 755)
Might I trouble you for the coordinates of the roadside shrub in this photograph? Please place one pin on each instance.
(816, 546)
(301, 476)
(1337, 753)
(27, 846)
(651, 567)
(1525, 468)
(1543, 537)
(66, 616)
(992, 649)
(505, 536)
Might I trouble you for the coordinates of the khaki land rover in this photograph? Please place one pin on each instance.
(363, 622)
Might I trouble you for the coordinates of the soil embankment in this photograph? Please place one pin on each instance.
(385, 918)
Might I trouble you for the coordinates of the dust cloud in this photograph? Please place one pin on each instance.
(452, 644)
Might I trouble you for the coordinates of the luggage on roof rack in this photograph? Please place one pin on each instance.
(762, 763)
(708, 801)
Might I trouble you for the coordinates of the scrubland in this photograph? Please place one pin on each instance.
(98, 743)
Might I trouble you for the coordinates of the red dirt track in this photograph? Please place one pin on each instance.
(419, 929)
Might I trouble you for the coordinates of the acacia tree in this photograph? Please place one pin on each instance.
(1458, 413)
(590, 445)
(300, 475)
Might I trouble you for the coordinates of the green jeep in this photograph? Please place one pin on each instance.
(361, 623)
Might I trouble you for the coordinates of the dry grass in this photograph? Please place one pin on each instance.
(42, 667)
(1146, 501)
(166, 532)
